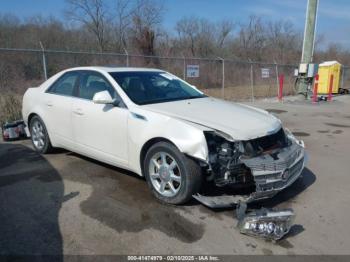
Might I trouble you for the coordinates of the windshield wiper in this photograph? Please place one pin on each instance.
(164, 100)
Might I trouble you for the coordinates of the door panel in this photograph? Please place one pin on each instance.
(58, 111)
(58, 118)
(99, 130)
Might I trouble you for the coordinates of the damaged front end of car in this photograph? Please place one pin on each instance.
(262, 167)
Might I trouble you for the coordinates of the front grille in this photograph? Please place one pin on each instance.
(265, 163)
(293, 172)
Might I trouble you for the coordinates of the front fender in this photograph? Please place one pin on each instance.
(144, 126)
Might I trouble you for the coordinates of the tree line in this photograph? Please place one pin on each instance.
(137, 27)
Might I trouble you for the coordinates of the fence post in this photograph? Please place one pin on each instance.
(330, 90)
(342, 77)
(127, 57)
(277, 74)
(251, 80)
(280, 90)
(223, 77)
(43, 59)
(314, 97)
(184, 67)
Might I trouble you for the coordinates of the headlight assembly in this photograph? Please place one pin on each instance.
(224, 135)
(266, 223)
(291, 137)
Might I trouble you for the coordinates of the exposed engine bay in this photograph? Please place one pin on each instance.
(263, 166)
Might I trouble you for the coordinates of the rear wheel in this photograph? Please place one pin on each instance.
(39, 136)
(172, 177)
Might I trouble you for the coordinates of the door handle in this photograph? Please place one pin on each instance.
(49, 103)
(78, 111)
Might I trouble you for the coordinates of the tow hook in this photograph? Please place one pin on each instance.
(270, 224)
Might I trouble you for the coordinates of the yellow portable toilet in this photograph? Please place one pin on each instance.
(325, 70)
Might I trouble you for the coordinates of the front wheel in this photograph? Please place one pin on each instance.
(172, 177)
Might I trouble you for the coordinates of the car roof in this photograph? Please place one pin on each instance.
(111, 69)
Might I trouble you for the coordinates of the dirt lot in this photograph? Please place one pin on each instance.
(245, 92)
(64, 203)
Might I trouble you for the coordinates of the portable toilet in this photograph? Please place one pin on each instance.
(325, 70)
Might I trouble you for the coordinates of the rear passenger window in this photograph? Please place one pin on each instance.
(65, 84)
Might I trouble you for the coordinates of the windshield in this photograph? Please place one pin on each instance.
(154, 87)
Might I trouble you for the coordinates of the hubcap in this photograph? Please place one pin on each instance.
(38, 135)
(165, 174)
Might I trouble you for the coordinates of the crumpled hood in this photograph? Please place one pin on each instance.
(239, 121)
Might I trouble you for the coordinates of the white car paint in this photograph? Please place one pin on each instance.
(116, 135)
(239, 121)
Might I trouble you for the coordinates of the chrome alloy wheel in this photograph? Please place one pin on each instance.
(165, 174)
(38, 135)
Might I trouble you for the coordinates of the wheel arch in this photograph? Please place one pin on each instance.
(30, 116)
(188, 138)
(148, 145)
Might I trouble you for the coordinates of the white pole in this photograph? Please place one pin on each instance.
(277, 81)
(44, 59)
(127, 57)
(184, 67)
(252, 81)
(223, 77)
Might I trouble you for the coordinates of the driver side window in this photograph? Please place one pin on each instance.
(92, 83)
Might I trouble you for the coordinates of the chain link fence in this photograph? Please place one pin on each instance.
(222, 78)
(345, 78)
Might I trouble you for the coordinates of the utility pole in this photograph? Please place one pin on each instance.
(308, 45)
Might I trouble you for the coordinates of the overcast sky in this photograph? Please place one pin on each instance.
(333, 15)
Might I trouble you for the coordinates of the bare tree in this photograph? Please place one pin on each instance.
(201, 36)
(93, 15)
(9, 25)
(149, 12)
(188, 31)
(224, 28)
(137, 26)
(282, 40)
(253, 38)
(146, 18)
(123, 19)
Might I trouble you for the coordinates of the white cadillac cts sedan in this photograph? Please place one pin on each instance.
(158, 126)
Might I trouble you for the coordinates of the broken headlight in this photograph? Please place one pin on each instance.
(291, 137)
(223, 135)
(266, 223)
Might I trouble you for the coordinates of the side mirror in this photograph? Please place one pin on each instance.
(103, 97)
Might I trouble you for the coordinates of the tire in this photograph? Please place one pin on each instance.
(185, 177)
(39, 136)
